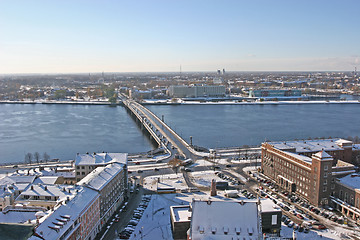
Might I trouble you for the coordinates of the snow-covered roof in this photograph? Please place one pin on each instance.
(100, 176)
(268, 205)
(356, 147)
(309, 145)
(17, 216)
(100, 158)
(60, 191)
(68, 213)
(46, 180)
(16, 179)
(351, 180)
(300, 157)
(224, 220)
(323, 155)
(181, 213)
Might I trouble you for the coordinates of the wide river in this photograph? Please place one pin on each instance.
(64, 130)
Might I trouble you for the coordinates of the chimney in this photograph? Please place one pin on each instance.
(45, 188)
(213, 188)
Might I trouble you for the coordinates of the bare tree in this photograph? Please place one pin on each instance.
(28, 158)
(37, 156)
(46, 157)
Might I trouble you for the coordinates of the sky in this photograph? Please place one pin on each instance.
(161, 35)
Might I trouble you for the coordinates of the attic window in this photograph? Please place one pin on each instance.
(238, 230)
(250, 231)
(226, 230)
(213, 230)
(201, 229)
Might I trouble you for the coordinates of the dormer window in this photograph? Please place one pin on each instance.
(213, 230)
(226, 230)
(201, 230)
(238, 230)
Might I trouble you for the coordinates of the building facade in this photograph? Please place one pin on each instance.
(111, 183)
(299, 167)
(196, 91)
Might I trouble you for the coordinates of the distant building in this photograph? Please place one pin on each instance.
(307, 167)
(274, 93)
(85, 163)
(111, 183)
(196, 91)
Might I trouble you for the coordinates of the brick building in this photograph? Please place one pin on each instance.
(307, 168)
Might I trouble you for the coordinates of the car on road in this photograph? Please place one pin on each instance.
(318, 226)
(156, 169)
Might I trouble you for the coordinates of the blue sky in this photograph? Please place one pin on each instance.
(150, 35)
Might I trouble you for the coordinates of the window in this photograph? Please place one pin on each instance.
(325, 181)
(325, 174)
(325, 167)
(325, 189)
(82, 173)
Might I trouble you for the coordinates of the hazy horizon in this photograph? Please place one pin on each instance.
(45, 37)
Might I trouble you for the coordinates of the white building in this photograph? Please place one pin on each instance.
(196, 91)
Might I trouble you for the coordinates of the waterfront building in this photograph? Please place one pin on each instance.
(275, 93)
(75, 218)
(309, 167)
(85, 163)
(111, 183)
(196, 91)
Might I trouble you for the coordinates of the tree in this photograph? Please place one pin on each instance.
(46, 157)
(28, 158)
(37, 156)
(175, 164)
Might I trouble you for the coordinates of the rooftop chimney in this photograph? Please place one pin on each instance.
(213, 188)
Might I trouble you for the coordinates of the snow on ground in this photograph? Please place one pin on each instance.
(171, 180)
(242, 178)
(204, 178)
(155, 223)
(203, 162)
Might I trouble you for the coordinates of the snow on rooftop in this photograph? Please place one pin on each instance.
(181, 213)
(100, 176)
(17, 216)
(46, 180)
(351, 180)
(60, 191)
(70, 212)
(323, 155)
(300, 157)
(100, 158)
(308, 145)
(268, 205)
(219, 219)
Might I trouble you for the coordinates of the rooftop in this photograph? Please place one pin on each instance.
(100, 158)
(100, 176)
(181, 213)
(224, 220)
(67, 214)
(351, 180)
(303, 146)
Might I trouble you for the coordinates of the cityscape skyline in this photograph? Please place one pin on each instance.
(161, 36)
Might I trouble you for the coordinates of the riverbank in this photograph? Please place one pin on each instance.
(182, 102)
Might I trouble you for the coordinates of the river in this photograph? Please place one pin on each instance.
(64, 130)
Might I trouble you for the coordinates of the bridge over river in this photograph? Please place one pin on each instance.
(159, 131)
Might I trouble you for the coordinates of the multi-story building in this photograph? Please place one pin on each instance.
(77, 218)
(274, 93)
(346, 198)
(307, 167)
(196, 91)
(85, 163)
(110, 182)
